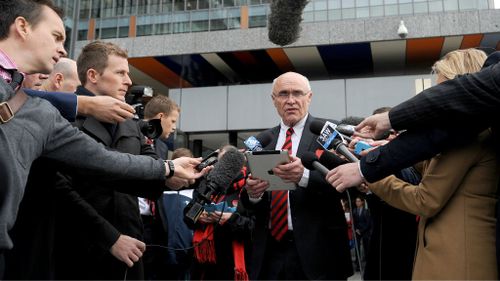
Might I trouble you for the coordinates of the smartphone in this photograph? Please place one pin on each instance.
(360, 146)
(211, 159)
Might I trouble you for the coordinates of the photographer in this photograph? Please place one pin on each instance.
(166, 112)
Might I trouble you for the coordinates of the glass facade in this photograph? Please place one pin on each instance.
(111, 18)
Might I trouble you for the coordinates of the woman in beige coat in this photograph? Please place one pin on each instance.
(455, 199)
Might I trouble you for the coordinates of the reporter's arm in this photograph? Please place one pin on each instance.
(105, 108)
(66, 103)
(470, 97)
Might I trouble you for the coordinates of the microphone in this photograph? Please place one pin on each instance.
(284, 21)
(258, 143)
(311, 162)
(215, 183)
(330, 160)
(327, 132)
(345, 129)
(340, 147)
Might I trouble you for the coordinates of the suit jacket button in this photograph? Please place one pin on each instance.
(373, 156)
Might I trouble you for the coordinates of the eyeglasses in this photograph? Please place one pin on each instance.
(283, 95)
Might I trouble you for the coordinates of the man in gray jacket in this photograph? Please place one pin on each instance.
(31, 41)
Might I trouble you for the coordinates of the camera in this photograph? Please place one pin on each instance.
(151, 129)
(135, 97)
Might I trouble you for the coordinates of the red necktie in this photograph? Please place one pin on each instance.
(152, 206)
(279, 200)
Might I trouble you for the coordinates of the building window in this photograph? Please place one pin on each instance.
(377, 11)
(123, 26)
(203, 4)
(166, 6)
(85, 9)
(348, 13)
(142, 7)
(181, 27)
(109, 32)
(467, 4)
(107, 8)
(435, 6)
(347, 4)
(96, 9)
(391, 10)
(405, 9)
(362, 3)
(191, 5)
(334, 4)
(179, 5)
(123, 31)
(144, 30)
(420, 8)
(450, 5)
(335, 14)
(163, 28)
(257, 16)
(363, 12)
(82, 34)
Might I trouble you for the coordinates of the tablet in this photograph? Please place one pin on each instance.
(261, 164)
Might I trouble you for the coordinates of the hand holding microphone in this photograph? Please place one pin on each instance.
(374, 127)
(345, 176)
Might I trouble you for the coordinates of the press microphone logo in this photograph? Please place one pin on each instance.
(327, 135)
(252, 143)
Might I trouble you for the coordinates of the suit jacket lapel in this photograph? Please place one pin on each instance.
(97, 130)
(307, 138)
(275, 132)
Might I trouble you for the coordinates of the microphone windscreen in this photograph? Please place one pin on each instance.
(284, 21)
(226, 170)
(330, 160)
(316, 126)
(264, 138)
(308, 159)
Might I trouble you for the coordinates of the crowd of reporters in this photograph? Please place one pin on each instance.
(90, 211)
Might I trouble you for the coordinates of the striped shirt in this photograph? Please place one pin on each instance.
(6, 65)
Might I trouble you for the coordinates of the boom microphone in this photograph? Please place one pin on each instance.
(216, 182)
(311, 162)
(284, 21)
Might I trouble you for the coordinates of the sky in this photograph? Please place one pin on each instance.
(497, 4)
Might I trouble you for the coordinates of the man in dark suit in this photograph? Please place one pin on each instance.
(299, 234)
(103, 70)
(363, 225)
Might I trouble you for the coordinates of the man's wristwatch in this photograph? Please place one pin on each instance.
(171, 168)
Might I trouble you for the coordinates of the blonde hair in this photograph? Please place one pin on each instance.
(459, 62)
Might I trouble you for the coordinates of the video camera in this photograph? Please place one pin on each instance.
(135, 97)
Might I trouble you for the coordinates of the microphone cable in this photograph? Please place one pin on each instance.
(185, 248)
